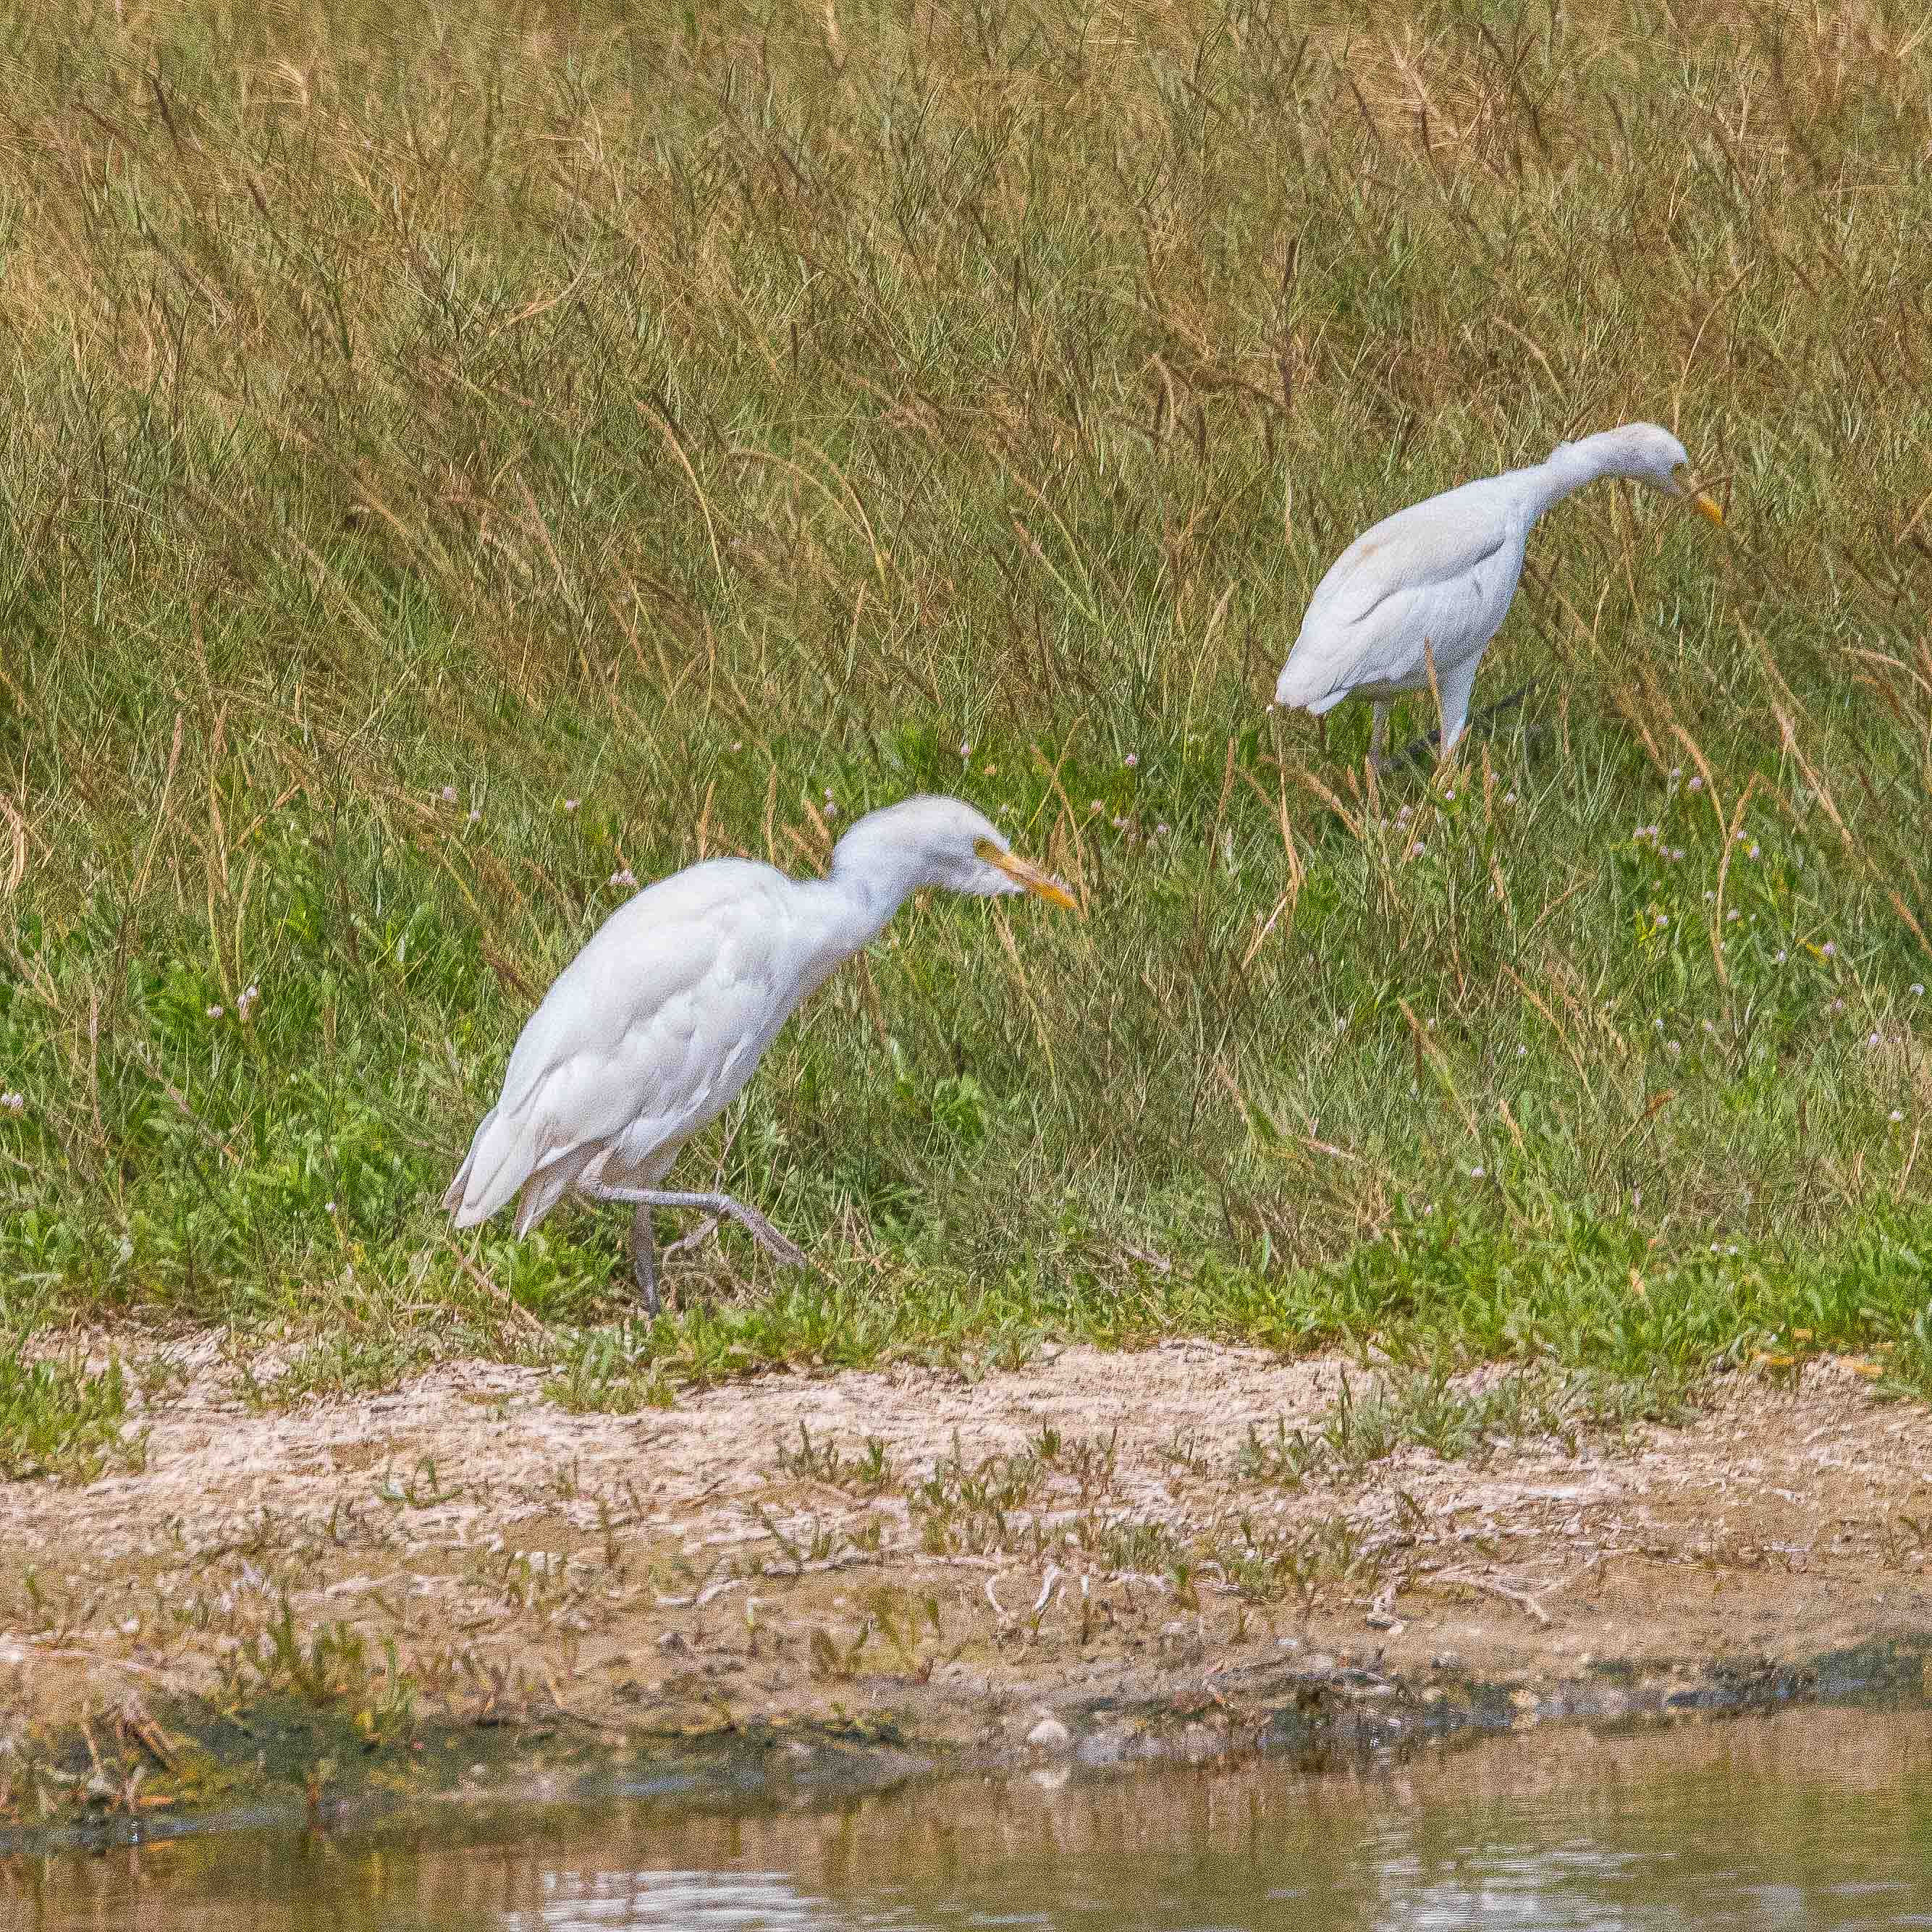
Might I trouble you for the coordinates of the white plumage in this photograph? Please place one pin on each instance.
(653, 1030)
(1434, 582)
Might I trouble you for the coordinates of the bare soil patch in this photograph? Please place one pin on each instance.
(1092, 1531)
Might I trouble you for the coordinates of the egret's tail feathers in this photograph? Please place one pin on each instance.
(1300, 688)
(549, 1183)
(452, 1195)
(499, 1161)
(457, 1191)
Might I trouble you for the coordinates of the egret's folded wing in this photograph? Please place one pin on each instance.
(1369, 616)
(640, 1032)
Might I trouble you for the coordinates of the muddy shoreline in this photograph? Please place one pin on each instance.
(280, 1766)
(785, 1590)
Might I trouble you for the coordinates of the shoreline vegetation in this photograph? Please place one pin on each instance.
(461, 1590)
(458, 466)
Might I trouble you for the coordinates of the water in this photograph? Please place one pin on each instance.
(1809, 1820)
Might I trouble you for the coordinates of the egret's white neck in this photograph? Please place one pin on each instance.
(1570, 465)
(872, 877)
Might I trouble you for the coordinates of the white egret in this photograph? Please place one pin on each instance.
(650, 1032)
(1432, 583)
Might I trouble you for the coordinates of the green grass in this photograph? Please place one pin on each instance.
(453, 457)
(57, 1418)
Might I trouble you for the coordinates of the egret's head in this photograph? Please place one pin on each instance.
(1650, 455)
(942, 841)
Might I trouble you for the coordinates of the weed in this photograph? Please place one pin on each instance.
(331, 1666)
(869, 1472)
(60, 1419)
(1285, 1459)
(962, 1508)
(604, 1372)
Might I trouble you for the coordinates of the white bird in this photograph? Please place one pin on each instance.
(1432, 583)
(651, 1031)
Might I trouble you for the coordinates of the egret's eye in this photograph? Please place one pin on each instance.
(987, 851)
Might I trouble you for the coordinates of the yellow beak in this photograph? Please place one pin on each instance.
(1708, 506)
(1042, 885)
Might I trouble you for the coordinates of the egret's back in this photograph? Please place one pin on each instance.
(1441, 572)
(647, 1034)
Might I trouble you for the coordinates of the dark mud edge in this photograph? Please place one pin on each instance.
(160, 1772)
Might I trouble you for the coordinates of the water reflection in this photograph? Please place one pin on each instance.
(1812, 1820)
(706, 1901)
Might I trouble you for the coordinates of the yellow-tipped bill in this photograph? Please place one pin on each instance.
(1024, 872)
(1707, 506)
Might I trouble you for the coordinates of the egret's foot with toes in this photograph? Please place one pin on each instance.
(644, 1244)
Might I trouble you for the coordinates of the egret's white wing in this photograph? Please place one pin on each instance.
(1439, 570)
(647, 1033)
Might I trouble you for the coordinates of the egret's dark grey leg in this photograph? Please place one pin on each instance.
(1378, 729)
(1489, 713)
(644, 1258)
(754, 1223)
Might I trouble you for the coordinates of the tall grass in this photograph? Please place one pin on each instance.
(454, 457)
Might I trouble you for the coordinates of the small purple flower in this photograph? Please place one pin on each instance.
(570, 804)
(626, 877)
(214, 1012)
(449, 794)
(1131, 759)
(1696, 785)
(1829, 948)
(1897, 1113)
(14, 1103)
